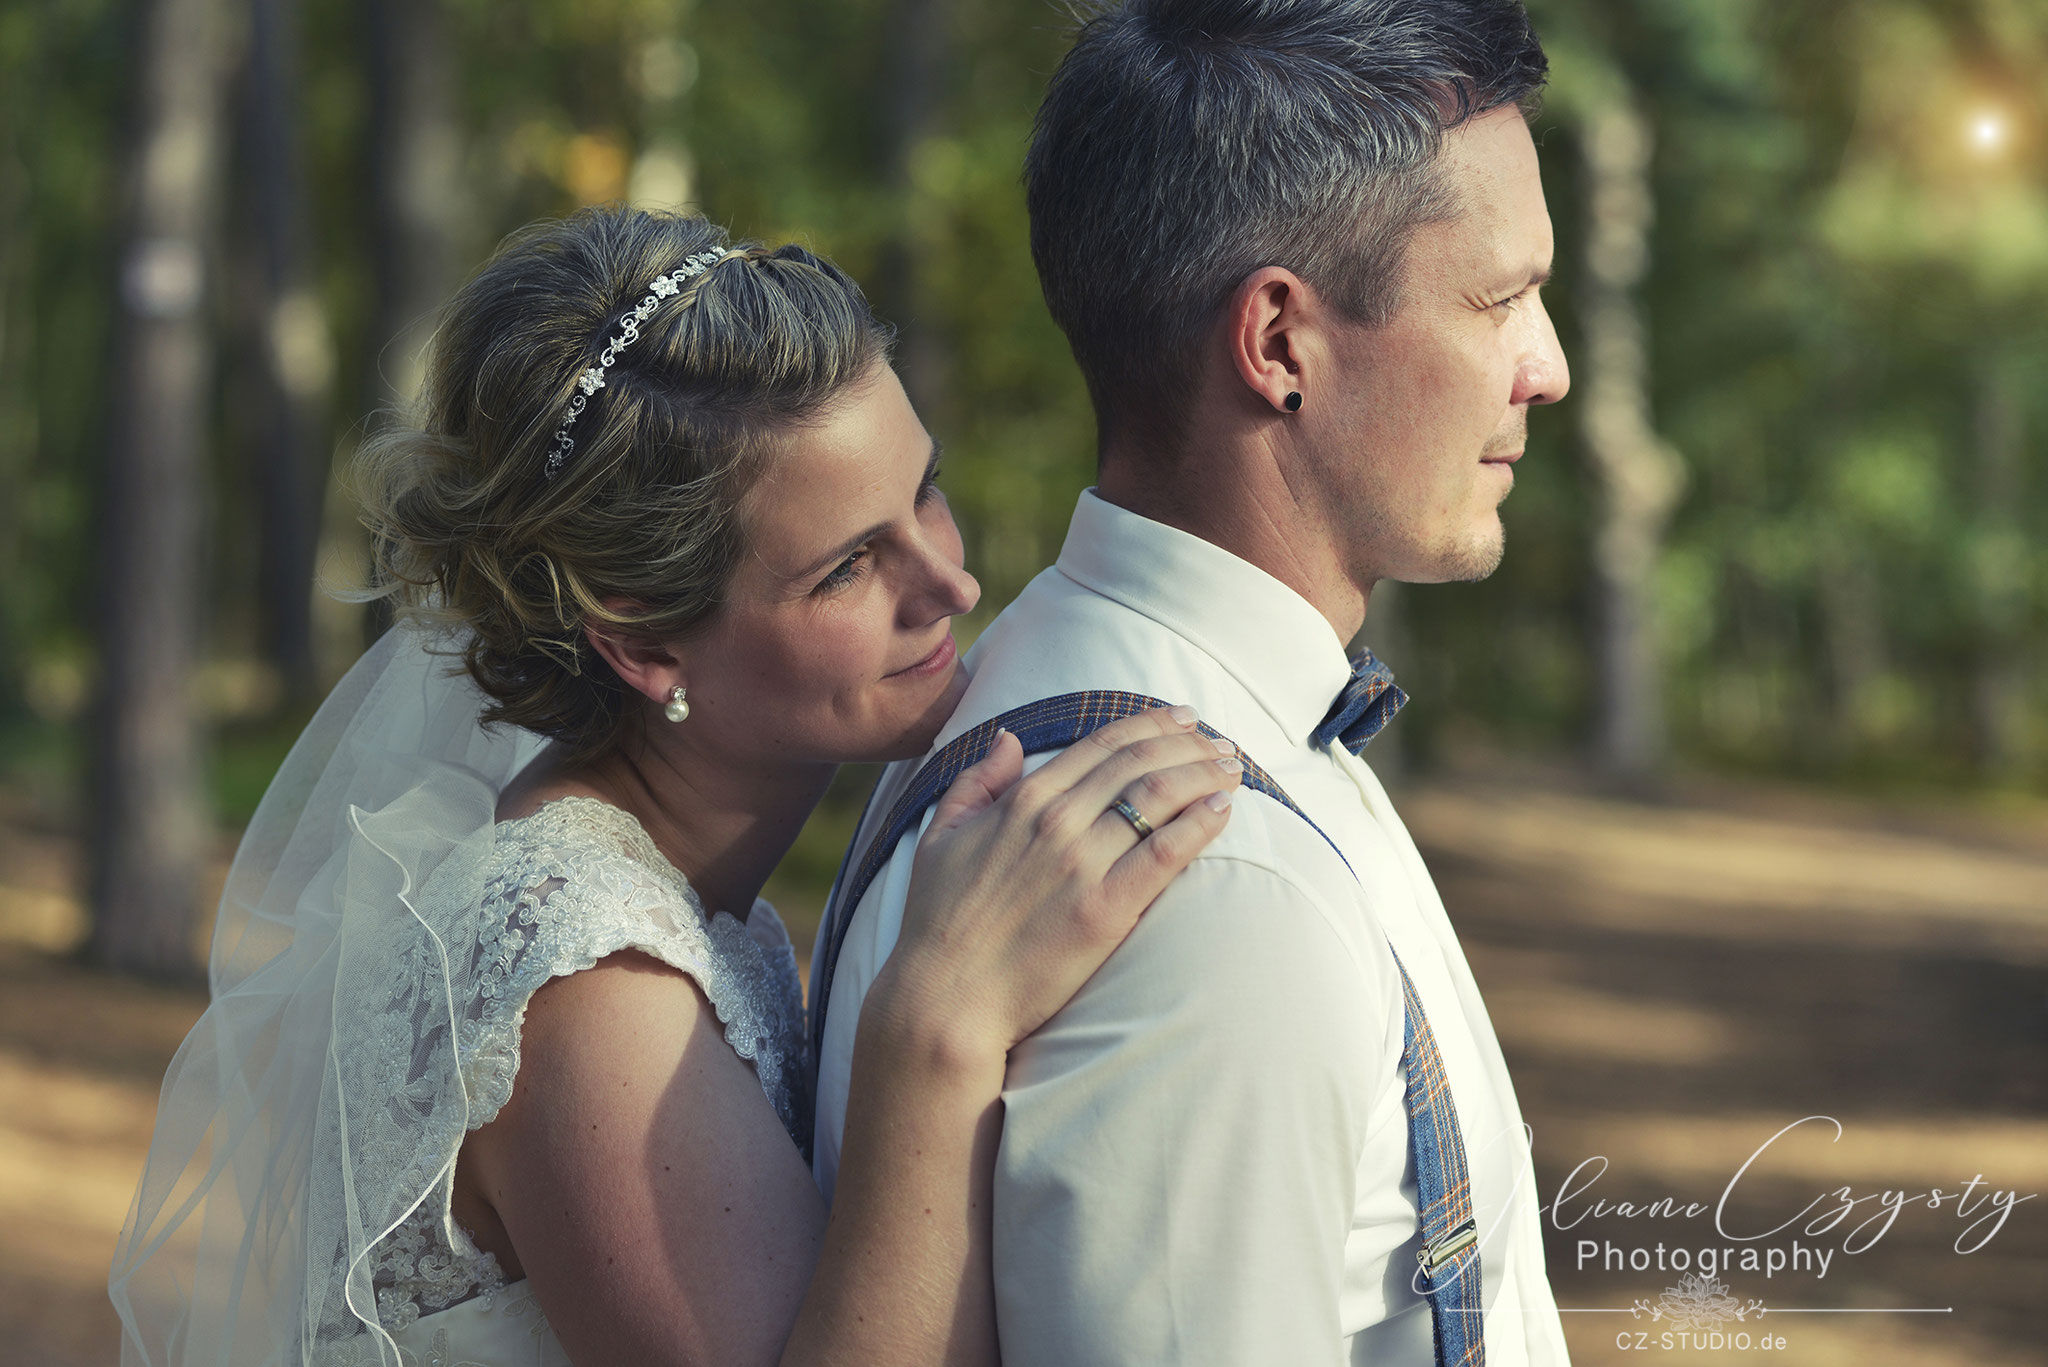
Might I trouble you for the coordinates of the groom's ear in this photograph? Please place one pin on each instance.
(1266, 328)
(647, 666)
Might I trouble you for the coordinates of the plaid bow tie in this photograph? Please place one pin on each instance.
(1367, 703)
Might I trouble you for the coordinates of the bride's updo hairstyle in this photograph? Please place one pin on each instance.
(471, 530)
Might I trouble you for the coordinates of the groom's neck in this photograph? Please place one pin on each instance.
(1232, 491)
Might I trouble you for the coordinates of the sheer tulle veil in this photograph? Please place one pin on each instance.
(293, 1132)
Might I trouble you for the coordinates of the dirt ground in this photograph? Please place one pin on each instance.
(1673, 984)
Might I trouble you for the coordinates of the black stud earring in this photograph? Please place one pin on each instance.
(1294, 403)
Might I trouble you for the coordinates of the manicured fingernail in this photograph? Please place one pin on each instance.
(1182, 713)
(1219, 802)
(1223, 747)
(1230, 766)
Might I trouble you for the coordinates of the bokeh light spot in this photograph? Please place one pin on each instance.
(1989, 132)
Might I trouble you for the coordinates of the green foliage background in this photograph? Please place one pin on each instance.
(1838, 283)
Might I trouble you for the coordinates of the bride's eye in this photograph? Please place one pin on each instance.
(929, 487)
(845, 573)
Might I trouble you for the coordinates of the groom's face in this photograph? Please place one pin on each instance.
(1431, 409)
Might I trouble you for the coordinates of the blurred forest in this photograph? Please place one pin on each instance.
(1776, 565)
(1788, 523)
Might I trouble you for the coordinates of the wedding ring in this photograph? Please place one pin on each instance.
(1132, 815)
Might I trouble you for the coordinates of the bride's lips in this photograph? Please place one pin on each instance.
(931, 664)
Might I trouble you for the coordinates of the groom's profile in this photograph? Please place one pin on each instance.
(1296, 246)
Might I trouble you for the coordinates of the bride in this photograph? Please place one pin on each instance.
(505, 1062)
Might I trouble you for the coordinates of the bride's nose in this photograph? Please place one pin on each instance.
(944, 588)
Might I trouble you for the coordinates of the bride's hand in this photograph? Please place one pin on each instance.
(1023, 886)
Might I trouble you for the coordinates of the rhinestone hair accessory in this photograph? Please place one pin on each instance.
(592, 380)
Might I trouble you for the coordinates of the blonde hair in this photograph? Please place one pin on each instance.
(468, 529)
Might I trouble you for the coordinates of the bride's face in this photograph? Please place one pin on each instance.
(835, 642)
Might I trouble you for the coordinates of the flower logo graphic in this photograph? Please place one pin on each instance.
(1698, 1303)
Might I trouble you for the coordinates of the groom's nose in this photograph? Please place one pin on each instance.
(1544, 375)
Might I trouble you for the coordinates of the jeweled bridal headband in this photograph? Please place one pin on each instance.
(592, 380)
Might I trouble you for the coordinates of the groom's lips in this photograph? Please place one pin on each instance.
(931, 664)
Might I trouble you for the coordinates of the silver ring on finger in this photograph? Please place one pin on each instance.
(1131, 814)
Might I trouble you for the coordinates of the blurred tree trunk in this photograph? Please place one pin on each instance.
(415, 186)
(18, 409)
(148, 825)
(1998, 692)
(415, 203)
(1641, 478)
(920, 40)
(289, 465)
(1853, 634)
(664, 174)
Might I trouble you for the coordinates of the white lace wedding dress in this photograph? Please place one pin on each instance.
(562, 888)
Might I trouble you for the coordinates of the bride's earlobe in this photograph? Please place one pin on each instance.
(640, 662)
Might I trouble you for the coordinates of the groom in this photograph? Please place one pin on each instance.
(1296, 246)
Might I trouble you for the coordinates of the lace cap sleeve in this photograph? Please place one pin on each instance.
(553, 894)
(579, 880)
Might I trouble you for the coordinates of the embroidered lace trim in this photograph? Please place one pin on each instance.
(564, 887)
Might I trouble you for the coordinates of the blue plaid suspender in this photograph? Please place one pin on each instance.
(1450, 1242)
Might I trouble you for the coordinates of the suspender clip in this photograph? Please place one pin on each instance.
(1435, 1253)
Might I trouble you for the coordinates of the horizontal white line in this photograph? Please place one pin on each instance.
(1770, 1310)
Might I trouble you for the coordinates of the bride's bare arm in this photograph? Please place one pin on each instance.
(649, 1192)
(640, 1180)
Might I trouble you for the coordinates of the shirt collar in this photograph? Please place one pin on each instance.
(1264, 634)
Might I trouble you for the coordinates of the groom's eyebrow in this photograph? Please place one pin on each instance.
(853, 543)
(1535, 277)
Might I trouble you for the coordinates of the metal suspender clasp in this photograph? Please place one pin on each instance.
(1435, 1254)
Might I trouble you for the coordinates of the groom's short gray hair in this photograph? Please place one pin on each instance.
(1183, 144)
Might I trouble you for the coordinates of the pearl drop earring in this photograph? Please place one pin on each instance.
(678, 708)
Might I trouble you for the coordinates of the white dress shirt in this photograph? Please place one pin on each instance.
(1205, 1154)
